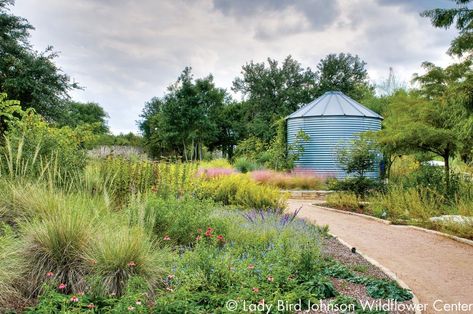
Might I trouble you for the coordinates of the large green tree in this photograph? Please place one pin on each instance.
(186, 119)
(346, 73)
(76, 113)
(273, 90)
(27, 75)
(462, 18)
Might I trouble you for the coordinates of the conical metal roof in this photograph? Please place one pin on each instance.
(334, 104)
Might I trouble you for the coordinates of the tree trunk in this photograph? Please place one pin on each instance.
(185, 150)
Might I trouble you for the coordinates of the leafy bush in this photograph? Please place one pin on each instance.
(343, 200)
(245, 165)
(175, 219)
(240, 190)
(360, 186)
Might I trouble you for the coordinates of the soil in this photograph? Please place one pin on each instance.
(434, 267)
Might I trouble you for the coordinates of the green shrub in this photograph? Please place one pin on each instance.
(177, 219)
(245, 165)
(343, 200)
(361, 186)
(241, 191)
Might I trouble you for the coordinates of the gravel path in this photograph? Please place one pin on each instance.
(435, 267)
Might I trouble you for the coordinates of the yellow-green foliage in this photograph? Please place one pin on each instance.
(127, 177)
(343, 200)
(241, 190)
(401, 204)
(402, 167)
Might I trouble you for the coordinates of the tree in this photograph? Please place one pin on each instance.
(415, 124)
(185, 119)
(76, 113)
(345, 73)
(26, 75)
(358, 157)
(272, 91)
(462, 17)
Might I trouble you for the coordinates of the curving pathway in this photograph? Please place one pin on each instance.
(434, 267)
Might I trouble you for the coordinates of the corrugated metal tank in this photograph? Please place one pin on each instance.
(331, 120)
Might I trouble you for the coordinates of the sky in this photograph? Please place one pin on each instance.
(125, 52)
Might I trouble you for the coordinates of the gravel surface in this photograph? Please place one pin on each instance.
(435, 267)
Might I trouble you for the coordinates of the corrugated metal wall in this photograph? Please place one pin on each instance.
(326, 134)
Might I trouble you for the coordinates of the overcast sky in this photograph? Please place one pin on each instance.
(124, 52)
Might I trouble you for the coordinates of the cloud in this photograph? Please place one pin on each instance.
(125, 52)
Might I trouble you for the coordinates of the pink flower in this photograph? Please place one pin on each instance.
(198, 238)
(49, 274)
(166, 238)
(62, 286)
(74, 299)
(170, 277)
(251, 266)
(255, 290)
(220, 238)
(91, 306)
(270, 278)
(131, 264)
(131, 308)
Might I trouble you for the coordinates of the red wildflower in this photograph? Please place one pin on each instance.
(255, 290)
(49, 274)
(208, 233)
(74, 299)
(62, 286)
(131, 264)
(220, 238)
(166, 238)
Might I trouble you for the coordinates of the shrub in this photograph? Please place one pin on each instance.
(240, 190)
(177, 219)
(245, 165)
(360, 186)
(343, 200)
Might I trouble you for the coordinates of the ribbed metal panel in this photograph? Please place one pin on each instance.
(326, 134)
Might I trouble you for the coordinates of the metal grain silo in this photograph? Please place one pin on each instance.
(331, 120)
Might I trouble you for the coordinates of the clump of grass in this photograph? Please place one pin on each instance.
(301, 180)
(10, 264)
(343, 200)
(120, 252)
(245, 165)
(55, 246)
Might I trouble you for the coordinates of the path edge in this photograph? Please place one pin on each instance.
(385, 270)
(387, 222)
